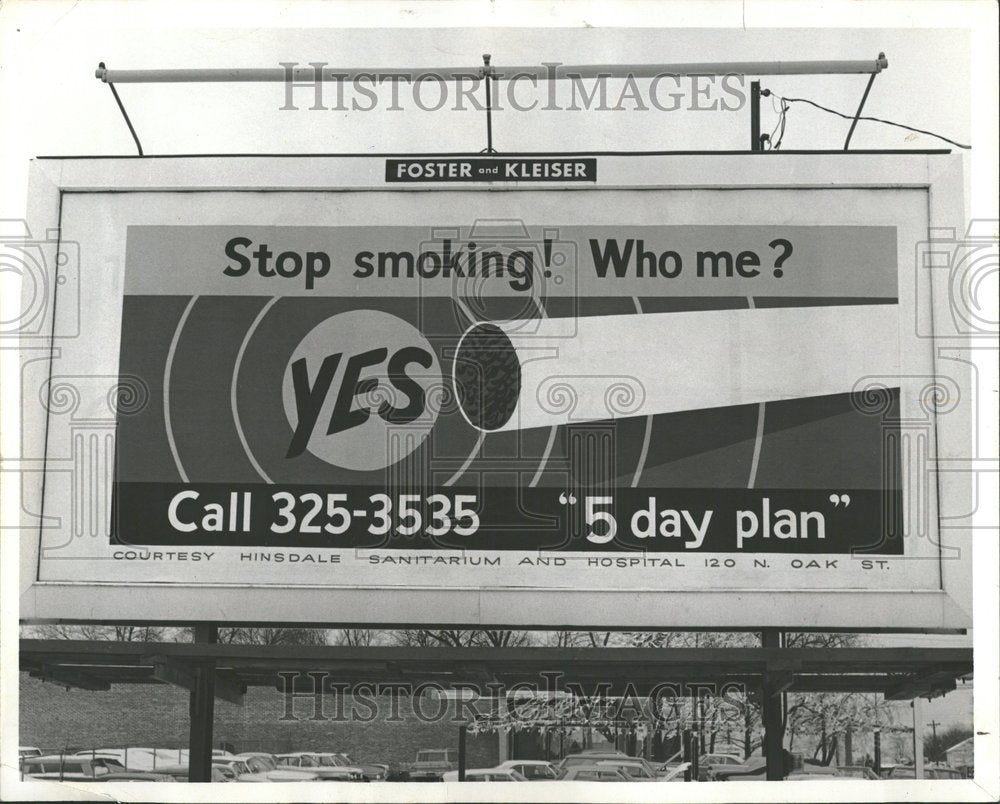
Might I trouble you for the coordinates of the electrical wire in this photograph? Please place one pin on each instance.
(870, 119)
(779, 128)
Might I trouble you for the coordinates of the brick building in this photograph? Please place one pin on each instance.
(156, 715)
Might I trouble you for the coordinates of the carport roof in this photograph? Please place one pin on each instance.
(897, 673)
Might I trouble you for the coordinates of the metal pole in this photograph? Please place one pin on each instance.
(461, 753)
(771, 715)
(861, 106)
(686, 748)
(202, 711)
(695, 751)
(487, 72)
(755, 143)
(878, 751)
(539, 72)
(918, 738)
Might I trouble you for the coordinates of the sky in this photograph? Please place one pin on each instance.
(63, 109)
(942, 76)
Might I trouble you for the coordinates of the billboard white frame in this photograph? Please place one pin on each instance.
(939, 175)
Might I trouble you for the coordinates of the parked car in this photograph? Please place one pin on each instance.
(534, 770)
(857, 772)
(297, 759)
(336, 759)
(431, 764)
(68, 767)
(588, 757)
(752, 767)
(636, 770)
(942, 772)
(930, 772)
(326, 770)
(720, 759)
(228, 773)
(255, 758)
(592, 773)
(181, 773)
(755, 770)
(137, 759)
(239, 767)
(373, 771)
(672, 772)
(284, 775)
(135, 776)
(485, 775)
(705, 761)
(258, 763)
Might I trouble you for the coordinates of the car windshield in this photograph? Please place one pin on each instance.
(578, 760)
(432, 756)
(536, 771)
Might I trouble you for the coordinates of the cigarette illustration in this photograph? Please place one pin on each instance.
(517, 375)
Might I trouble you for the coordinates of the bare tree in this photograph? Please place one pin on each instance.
(272, 636)
(101, 633)
(357, 637)
(453, 638)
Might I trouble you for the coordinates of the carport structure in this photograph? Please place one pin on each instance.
(210, 670)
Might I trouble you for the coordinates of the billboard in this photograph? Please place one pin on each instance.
(595, 393)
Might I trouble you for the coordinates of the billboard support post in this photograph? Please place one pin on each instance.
(461, 752)
(487, 85)
(857, 114)
(918, 737)
(877, 749)
(686, 755)
(771, 714)
(202, 711)
(755, 143)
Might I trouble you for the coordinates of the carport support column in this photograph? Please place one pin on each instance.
(771, 714)
(202, 711)
(461, 752)
(503, 735)
(918, 738)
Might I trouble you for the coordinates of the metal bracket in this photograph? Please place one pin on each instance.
(880, 63)
(102, 73)
(487, 73)
(173, 672)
